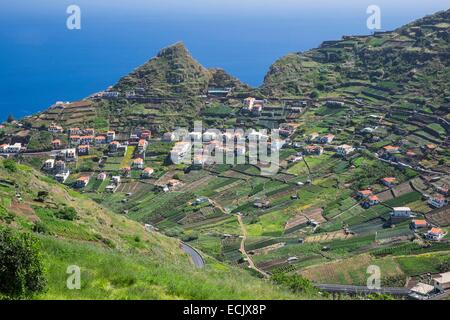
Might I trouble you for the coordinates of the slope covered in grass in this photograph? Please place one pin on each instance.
(118, 258)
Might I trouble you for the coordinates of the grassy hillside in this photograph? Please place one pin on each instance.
(117, 257)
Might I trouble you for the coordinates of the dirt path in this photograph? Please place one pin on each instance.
(242, 248)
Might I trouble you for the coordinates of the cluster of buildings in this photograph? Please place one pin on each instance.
(215, 143)
(437, 285)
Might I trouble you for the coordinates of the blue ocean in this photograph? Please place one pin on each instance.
(42, 61)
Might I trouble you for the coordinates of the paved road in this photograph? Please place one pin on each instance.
(338, 288)
(195, 256)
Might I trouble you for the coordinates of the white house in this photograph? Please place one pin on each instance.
(15, 148)
(401, 212)
(435, 234)
(138, 163)
(442, 282)
(344, 150)
(110, 136)
(62, 176)
(437, 201)
(49, 164)
(115, 180)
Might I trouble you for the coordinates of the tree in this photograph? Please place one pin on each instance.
(10, 118)
(10, 165)
(21, 267)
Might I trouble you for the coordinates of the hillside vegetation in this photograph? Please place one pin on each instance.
(118, 258)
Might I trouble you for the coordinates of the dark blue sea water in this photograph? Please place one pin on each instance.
(41, 61)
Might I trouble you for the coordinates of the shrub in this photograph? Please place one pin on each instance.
(295, 283)
(21, 267)
(10, 165)
(67, 213)
(40, 227)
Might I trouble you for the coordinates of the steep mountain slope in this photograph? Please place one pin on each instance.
(118, 258)
(174, 73)
(411, 62)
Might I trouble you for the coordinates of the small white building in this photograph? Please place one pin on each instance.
(14, 148)
(442, 283)
(435, 234)
(62, 176)
(437, 201)
(49, 164)
(344, 150)
(401, 212)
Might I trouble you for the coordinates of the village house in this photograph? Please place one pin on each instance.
(326, 138)
(49, 164)
(100, 140)
(253, 105)
(12, 148)
(391, 149)
(138, 163)
(101, 176)
(75, 140)
(142, 145)
(419, 224)
(116, 180)
(435, 234)
(147, 173)
(110, 136)
(364, 194)
(53, 128)
(60, 166)
(89, 132)
(70, 154)
(75, 132)
(437, 201)
(83, 150)
(56, 144)
(313, 150)
(344, 150)
(3, 148)
(87, 139)
(373, 200)
(443, 190)
(113, 146)
(422, 291)
(442, 282)
(61, 177)
(401, 212)
(82, 182)
(388, 181)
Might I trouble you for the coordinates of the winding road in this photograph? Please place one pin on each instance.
(197, 259)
